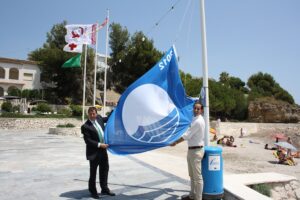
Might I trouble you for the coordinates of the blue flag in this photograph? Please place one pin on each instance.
(153, 112)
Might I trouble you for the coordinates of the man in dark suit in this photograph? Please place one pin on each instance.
(96, 153)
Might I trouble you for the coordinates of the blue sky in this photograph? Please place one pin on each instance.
(243, 37)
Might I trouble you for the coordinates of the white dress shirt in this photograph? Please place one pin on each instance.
(195, 134)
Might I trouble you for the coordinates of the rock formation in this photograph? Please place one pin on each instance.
(269, 110)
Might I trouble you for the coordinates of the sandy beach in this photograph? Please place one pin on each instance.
(248, 157)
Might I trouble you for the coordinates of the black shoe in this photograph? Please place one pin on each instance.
(95, 196)
(108, 193)
(186, 197)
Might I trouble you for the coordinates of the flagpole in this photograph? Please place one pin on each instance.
(84, 83)
(95, 68)
(205, 72)
(105, 70)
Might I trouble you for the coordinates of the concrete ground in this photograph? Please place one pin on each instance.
(36, 165)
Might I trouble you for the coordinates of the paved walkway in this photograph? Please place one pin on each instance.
(36, 165)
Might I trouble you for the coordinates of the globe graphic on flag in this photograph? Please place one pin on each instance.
(149, 115)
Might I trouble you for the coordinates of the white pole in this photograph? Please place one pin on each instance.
(95, 68)
(105, 70)
(84, 80)
(205, 72)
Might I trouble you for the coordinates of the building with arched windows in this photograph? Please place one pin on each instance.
(21, 74)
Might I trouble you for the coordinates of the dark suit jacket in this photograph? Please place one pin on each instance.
(91, 138)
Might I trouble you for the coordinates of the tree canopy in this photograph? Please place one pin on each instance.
(264, 85)
(131, 56)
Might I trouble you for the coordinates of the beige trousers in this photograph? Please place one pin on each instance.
(194, 158)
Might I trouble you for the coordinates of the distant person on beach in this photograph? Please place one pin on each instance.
(283, 158)
(230, 142)
(218, 126)
(242, 133)
(227, 141)
(195, 139)
(289, 141)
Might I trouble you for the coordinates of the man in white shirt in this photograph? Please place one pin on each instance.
(195, 139)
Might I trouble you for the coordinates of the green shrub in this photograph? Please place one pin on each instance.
(43, 107)
(12, 115)
(65, 111)
(68, 125)
(16, 108)
(7, 107)
(76, 110)
(263, 188)
(14, 92)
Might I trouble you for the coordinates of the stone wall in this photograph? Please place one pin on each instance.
(35, 123)
(226, 128)
(289, 190)
(233, 128)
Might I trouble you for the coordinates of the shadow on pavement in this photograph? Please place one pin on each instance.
(83, 194)
(76, 194)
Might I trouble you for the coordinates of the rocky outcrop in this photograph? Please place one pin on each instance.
(269, 110)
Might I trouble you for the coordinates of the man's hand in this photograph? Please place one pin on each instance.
(103, 146)
(176, 142)
(173, 144)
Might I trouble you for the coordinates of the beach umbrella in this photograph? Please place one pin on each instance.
(212, 131)
(279, 136)
(286, 145)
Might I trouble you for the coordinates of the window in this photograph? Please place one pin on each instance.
(14, 73)
(28, 77)
(2, 72)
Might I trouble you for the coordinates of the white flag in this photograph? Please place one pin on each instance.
(81, 34)
(73, 47)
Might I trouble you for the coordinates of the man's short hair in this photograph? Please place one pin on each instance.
(92, 108)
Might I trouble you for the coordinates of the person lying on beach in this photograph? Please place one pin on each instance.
(222, 140)
(226, 140)
(230, 143)
(296, 154)
(283, 158)
(270, 148)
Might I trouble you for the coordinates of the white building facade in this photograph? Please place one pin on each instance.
(20, 74)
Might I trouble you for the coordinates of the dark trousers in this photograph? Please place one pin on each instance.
(101, 161)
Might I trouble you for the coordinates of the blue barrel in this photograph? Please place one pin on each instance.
(212, 172)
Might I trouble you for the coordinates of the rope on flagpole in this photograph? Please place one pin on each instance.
(95, 68)
(188, 5)
(163, 17)
(105, 70)
(84, 83)
(156, 24)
